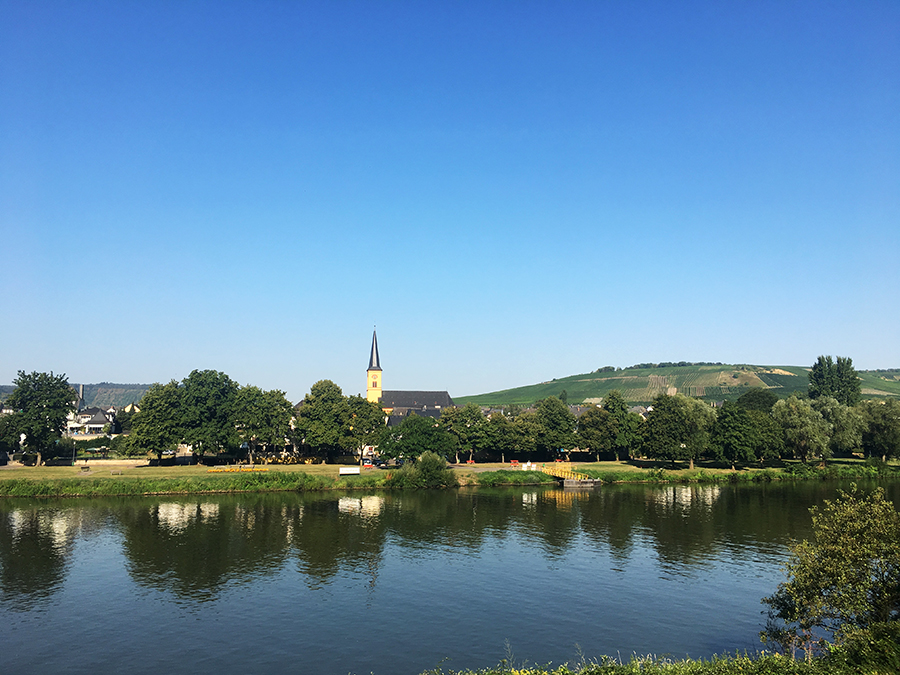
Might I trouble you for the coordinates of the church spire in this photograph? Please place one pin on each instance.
(373, 374)
(374, 361)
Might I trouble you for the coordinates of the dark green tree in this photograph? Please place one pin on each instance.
(158, 426)
(209, 400)
(322, 418)
(881, 433)
(365, 422)
(757, 398)
(556, 426)
(596, 430)
(626, 436)
(734, 435)
(263, 418)
(466, 425)
(500, 435)
(678, 428)
(41, 402)
(836, 379)
(414, 436)
(846, 581)
(768, 434)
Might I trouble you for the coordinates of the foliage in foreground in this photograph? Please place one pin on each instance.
(760, 664)
(844, 586)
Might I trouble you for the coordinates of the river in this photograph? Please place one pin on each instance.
(391, 583)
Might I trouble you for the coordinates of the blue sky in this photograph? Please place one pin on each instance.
(511, 191)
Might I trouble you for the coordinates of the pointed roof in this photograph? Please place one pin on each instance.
(374, 361)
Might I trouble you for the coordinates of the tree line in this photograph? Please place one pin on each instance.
(213, 414)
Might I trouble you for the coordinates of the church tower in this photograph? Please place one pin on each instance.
(373, 374)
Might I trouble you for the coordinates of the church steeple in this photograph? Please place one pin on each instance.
(373, 374)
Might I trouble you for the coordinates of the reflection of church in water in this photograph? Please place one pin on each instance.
(399, 404)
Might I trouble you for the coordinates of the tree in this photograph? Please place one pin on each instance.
(527, 429)
(757, 398)
(556, 425)
(414, 436)
(208, 401)
(845, 581)
(836, 379)
(158, 426)
(466, 425)
(881, 433)
(678, 428)
(262, 417)
(596, 430)
(626, 425)
(41, 402)
(322, 417)
(768, 434)
(805, 431)
(365, 422)
(847, 425)
(734, 434)
(499, 435)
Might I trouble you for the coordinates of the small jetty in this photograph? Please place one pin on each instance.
(568, 477)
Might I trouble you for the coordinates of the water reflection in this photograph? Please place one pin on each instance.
(196, 549)
(35, 545)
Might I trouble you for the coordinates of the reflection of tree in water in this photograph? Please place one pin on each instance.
(35, 545)
(342, 533)
(193, 549)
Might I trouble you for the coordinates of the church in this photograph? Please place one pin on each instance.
(398, 404)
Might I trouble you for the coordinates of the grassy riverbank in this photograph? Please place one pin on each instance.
(108, 479)
(760, 664)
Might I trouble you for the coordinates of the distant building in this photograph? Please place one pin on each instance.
(399, 404)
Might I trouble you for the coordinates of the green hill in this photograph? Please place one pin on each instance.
(712, 382)
(100, 395)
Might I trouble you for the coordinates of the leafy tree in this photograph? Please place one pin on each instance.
(262, 417)
(527, 429)
(208, 410)
(806, 433)
(365, 423)
(466, 425)
(626, 425)
(322, 417)
(845, 581)
(41, 402)
(836, 379)
(414, 436)
(500, 435)
(881, 434)
(678, 428)
(555, 425)
(757, 398)
(768, 435)
(734, 434)
(596, 430)
(158, 426)
(847, 425)
(123, 422)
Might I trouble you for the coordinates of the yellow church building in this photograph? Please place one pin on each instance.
(399, 404)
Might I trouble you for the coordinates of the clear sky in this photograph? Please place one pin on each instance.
(512, 191)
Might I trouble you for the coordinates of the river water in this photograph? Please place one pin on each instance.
(391, 583)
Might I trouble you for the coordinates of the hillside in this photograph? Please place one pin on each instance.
(712, 382)
(101, 395)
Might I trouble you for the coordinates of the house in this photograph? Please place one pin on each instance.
(89, 421)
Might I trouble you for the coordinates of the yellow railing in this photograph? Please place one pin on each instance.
(563, 471)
